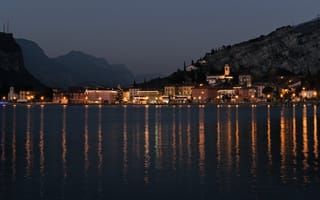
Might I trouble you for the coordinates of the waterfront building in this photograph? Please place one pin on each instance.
(170, 90)
(204, 94)
(308, 94)
(76, 96)
(226, 94)
(100, 96)
(126, 96)
(133, 92)
(178, 93)
(60, 97)
(146, 97)
(26, 96)
(185, 90)
(12, 96)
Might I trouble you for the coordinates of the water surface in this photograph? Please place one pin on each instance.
(159, 152)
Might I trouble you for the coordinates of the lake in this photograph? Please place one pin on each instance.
(159, 152)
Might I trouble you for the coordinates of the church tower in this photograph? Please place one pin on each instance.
(226, 70)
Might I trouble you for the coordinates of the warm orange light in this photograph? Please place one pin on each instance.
(315, 94)
(281, 95)
(4, 98)
(268, 96)
(42, 98)
(252, 96)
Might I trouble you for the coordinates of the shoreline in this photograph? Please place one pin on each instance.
(172, 104)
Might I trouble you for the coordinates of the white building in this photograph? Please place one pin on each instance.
(12, 96)
(191, 68)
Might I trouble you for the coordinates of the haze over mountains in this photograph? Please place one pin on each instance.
(73, 69)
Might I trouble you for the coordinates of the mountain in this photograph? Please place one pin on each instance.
(289, 50)
(12, 68)
(73, 69)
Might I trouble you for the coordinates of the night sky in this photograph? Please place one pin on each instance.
(149, 36)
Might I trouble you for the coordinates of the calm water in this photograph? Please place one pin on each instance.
(159, 152)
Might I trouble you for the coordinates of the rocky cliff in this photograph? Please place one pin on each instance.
(12, 70)
(290, 49)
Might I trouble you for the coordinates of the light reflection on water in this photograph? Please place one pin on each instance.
(215, 150)
(28, 144)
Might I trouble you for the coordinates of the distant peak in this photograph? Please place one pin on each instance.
(74, 52)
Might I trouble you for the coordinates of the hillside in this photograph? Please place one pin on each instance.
(289, 50)
(73, 69)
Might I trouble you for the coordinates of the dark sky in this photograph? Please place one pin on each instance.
(149, 36)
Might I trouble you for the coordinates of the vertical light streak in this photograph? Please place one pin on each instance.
(305, 144)
(269, 137)
(202, 155)
(294, 140)
(86, 141)
(315, 133)
(229, 139)
(41, 149)
(41, 144)
(3, 135)
(189, 138)
(14, 145)
(174, 140)
(146, 148)
(28, 144)
(253, 142)
(180, 137)
(305, 137)
(282, 145)
(125, 146)
(218, 138)
(237, 142)
(64, 142)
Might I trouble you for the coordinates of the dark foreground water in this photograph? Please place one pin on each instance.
(159, 152)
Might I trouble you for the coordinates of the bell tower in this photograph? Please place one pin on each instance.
(226, 70)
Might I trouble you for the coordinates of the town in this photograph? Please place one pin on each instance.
(215, 90)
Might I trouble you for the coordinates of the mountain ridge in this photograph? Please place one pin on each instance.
(288, 50)
(75, 68)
